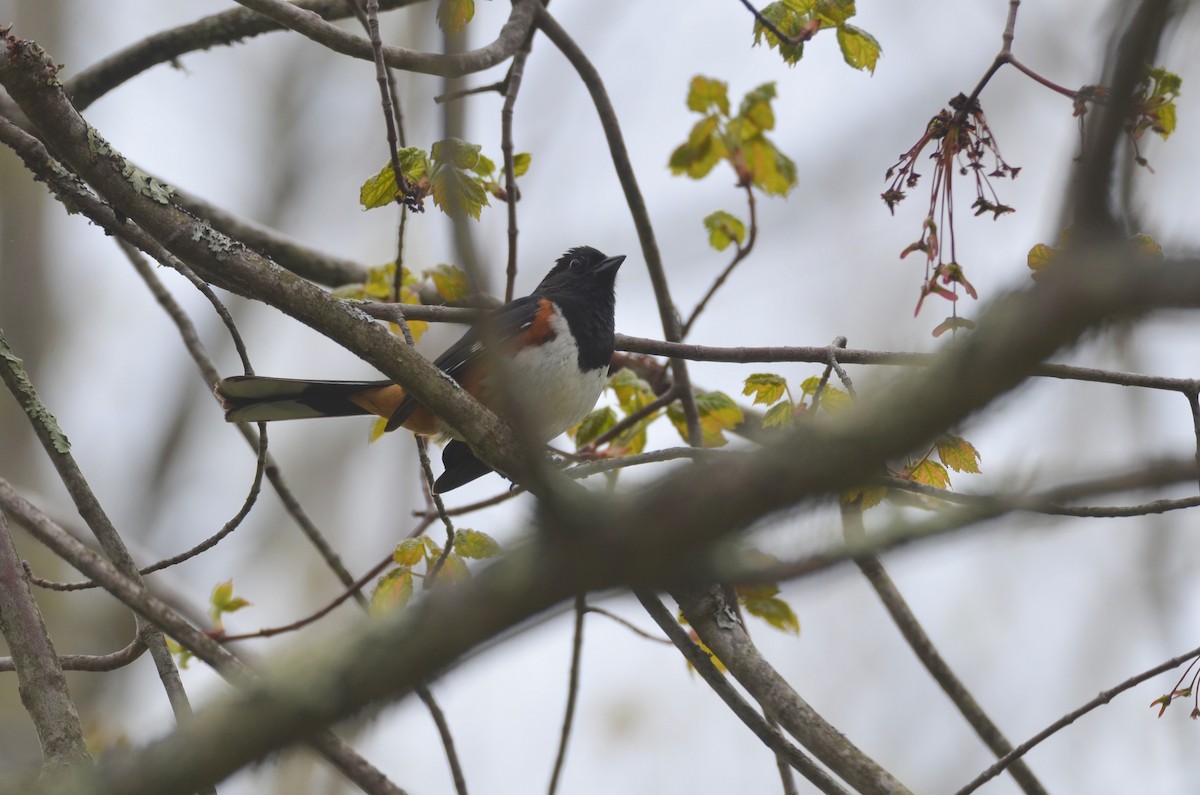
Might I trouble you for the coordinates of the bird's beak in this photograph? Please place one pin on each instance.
(611, 264)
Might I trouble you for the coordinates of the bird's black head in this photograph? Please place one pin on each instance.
(581, 284)
(583, 271)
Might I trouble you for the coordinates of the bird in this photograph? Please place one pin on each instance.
(558, 342)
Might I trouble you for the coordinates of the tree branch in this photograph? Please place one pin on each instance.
(721, 630)
(507, 43)
(40, 680)
(923, 647)
(227, 27)
(770, 736)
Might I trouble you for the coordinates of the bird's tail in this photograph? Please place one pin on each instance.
(252, 398)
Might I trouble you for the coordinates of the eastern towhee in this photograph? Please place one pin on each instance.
(558, 341)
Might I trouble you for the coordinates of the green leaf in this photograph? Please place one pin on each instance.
(872, 496)
(706, 93)
(484, 166)
(1166, 120)
(724, 229)
(449, 281)
(859, 48)
(455, 152)
(392, 591)
(521, 162)
(593, 425)
(183, 657)
(378, 429)
(632, 393)
(718, 413)
(381, 190)
(765, 387)
(779, 416)
(756, 109)
(223, 601)
(774, 611)
(868, 497)
(1039, 257)
(790, 18)
(809, 385)
(454, 569)
(1146, 245)
(958, 454)
(834, 399)
(632, 440)
(457, 193)
(409, 552)
(770, 170)
(931, 473)
(834, 12)
(475, 544)
(453, 15)
(702, 151)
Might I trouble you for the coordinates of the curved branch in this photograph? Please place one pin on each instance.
(507, 43)
(227, 27)
(94, 663)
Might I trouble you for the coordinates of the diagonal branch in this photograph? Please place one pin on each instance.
(922, 646)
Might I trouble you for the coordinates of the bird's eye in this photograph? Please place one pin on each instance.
(575, 264)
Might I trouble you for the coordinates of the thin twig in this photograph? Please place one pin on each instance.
(742, 252)
(581, 609)
(925, 650)
(775, 31)
(443, 729)
(629, 625)
(512, 85)
(353, 589)
(1100, 700)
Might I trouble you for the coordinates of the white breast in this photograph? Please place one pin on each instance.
(548, 383)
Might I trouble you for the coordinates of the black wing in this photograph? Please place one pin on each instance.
(457, 360)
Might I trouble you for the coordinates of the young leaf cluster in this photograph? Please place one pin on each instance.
(416, 557)
(800, 20)
(454, 172)
(952, 453)
(1153, 108)
(769, 389)
(738, 139)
